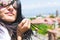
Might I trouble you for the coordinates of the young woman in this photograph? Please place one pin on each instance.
(13, 26)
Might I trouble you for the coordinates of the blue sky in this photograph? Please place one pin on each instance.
(35, 7)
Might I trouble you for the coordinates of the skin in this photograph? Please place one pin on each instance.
(9, 15)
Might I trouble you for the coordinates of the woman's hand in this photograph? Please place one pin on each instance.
(24, 26)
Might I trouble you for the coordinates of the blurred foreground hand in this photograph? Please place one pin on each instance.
(24, 26)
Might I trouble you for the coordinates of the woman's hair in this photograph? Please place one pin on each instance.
(19, 14)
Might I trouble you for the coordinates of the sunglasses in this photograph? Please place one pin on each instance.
(5, 3)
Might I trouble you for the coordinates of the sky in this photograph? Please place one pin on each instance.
(31, 8)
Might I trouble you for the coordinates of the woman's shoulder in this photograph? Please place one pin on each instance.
(2, 24)
(2, 28)
(4, 35)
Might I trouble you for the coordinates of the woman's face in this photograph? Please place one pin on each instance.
(8, 13)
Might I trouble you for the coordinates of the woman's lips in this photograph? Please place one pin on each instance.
(9, 13)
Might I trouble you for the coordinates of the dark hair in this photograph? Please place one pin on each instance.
(19, 14)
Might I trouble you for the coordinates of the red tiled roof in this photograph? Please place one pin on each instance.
(45, 20)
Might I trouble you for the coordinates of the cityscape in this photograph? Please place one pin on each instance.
(45, 18)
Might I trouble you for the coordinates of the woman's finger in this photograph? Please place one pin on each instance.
(22, 23)
(26, 25)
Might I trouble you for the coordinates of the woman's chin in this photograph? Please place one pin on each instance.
(9, 20)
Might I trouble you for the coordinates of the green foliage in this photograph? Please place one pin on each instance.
(41, 28)
(32, 18)
(52, 16)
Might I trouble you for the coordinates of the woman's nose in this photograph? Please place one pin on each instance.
(10, 8)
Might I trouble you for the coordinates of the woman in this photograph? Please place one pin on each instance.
(12, 24)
